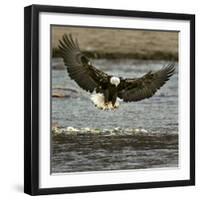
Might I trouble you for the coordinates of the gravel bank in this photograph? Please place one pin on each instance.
(118, 43)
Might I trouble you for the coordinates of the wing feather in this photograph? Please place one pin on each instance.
(78, 66)
(146, 86)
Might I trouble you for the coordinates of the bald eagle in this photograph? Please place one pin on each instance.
(106, 90)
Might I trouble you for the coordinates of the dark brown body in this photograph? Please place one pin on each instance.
(110, 94)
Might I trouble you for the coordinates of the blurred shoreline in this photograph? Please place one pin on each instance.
(117, 43)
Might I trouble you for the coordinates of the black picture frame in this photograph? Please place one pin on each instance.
(31, 98)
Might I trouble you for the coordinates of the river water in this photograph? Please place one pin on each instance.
(138, 135)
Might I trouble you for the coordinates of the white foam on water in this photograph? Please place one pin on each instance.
(115, 131)
(72, 129)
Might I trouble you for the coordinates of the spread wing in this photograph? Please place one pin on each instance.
(78, 65)
(146, 86)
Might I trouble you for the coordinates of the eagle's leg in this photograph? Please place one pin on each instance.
(114, 98)
(106, 96)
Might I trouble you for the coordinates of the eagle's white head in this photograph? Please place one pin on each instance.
(115, 81)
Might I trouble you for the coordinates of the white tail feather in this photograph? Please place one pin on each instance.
(99, 101)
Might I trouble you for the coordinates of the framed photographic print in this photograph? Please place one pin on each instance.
(109, 100)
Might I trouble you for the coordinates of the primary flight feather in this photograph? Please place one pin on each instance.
(108, 88)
